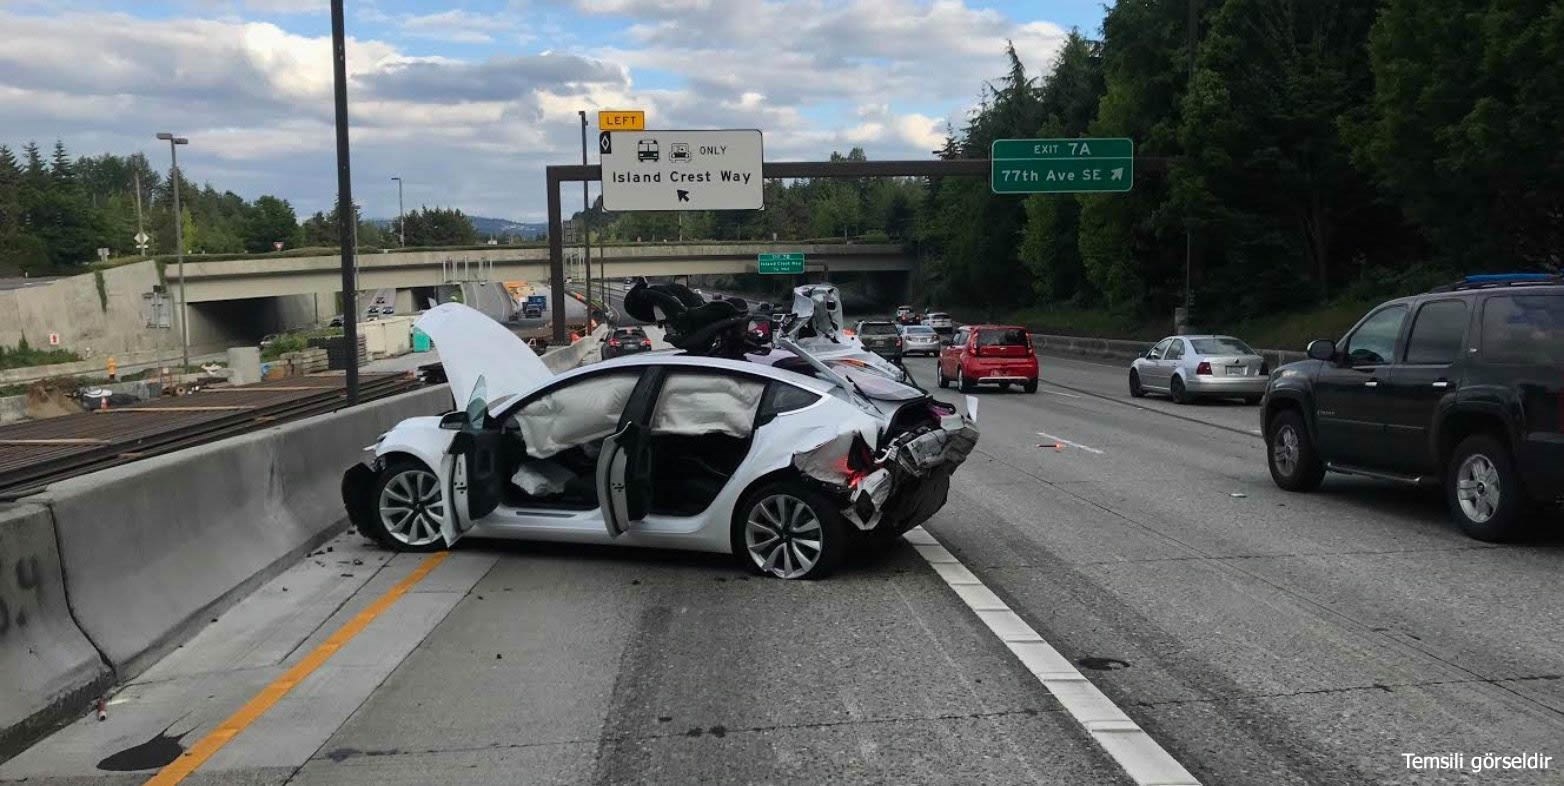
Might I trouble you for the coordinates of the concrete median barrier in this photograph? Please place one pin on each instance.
(48, 669)
(151, 550)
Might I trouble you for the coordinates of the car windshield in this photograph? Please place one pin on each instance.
(1222, 345)
(876, 329)
(1004, 337)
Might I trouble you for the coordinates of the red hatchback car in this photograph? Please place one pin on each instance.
(989, 353)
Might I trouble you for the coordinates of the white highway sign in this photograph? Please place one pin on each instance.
(681, 170)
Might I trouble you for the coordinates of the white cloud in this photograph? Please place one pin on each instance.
(256, 100)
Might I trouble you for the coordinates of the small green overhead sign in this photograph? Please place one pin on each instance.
(790, 262)
(1061, 166)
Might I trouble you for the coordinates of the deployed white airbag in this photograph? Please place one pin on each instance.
(692, 404)
(575, 415)
(541, 478)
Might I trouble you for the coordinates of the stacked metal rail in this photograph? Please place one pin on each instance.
(36, 453)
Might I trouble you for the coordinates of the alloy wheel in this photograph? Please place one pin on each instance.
(1477, 488)
(783, 536)
(1284, 451)
(412, 507)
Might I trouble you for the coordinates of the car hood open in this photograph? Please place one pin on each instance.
(473, 346)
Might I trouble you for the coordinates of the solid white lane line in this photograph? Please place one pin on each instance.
(1061, 393)
(1146, 762)
(1063, 441)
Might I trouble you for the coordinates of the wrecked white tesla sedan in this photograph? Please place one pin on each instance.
(668, 450)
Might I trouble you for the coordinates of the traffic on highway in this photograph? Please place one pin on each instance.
(1089, 392)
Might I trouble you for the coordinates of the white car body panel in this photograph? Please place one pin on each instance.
(773, 449)
(470, 343)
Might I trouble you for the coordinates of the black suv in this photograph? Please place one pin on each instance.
(1462, 387)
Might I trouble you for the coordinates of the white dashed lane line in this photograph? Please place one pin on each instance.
(1124, 741)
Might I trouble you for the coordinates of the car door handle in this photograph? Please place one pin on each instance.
(1373, 383)
(1443, 383)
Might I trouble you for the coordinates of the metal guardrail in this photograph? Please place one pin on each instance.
(1129, 350)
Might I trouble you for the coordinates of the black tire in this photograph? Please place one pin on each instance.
(1029, 386)
(1505, 520)
(380, 530)
(1136, 391)
(1176, 388)
(772, 498)
(939, 373)
(1004, 386)
(962, 383)
(1252, 400)
(1305, 471)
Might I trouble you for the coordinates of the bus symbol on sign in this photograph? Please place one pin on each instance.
(647, 150)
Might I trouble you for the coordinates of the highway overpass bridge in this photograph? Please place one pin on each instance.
(243, 279)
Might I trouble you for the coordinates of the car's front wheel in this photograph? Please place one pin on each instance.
(1290, 452)
(790, 531)
(939, 374)
(409, 506)
(1136, 391)
(1484, 490)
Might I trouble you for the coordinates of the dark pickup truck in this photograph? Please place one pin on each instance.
(1461, 387)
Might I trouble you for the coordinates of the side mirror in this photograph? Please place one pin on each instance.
(453, 421)
(1322, 349)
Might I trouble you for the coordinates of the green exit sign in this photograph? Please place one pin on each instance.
(1061, 166)
(791, 262)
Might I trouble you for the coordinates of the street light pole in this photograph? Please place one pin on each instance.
(179, 246)
(401, 215)
(586, 224)
(347, 217)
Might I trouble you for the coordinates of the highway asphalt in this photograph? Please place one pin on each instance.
(1260, 637)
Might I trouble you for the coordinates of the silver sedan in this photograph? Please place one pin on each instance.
(919, 340)
(1191, 367)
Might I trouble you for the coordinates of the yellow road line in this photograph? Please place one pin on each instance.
(257, 706)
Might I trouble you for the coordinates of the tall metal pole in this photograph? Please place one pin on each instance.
(1189, 233)
(346, 219)
(179, 247)
(556, 255)
(401, 215)
(586, 223)
(140, 228)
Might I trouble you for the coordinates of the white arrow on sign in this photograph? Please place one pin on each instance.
(1118, 174)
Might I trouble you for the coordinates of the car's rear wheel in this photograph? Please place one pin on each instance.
(1180, 395)
(1294, 462)
(962, 383)
(789, 531)
(1029, 386)
(1136, 391)
(409, 506)
(1484, 490)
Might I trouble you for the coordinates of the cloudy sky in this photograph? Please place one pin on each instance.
(468, 101)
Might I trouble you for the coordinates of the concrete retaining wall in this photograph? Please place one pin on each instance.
(1129, 350)
(144, 554)
(47, 667)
